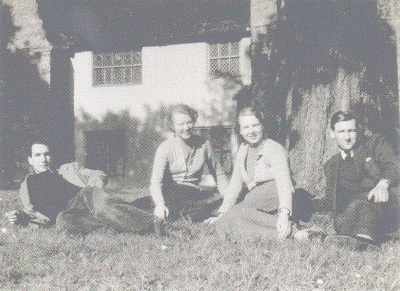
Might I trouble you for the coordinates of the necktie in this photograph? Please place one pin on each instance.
(348, 158)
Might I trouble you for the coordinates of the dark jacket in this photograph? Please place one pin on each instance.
(377, 160)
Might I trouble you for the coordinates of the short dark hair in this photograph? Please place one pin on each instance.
(251, 111)
(342, 116)
(30, 143)
(182, 109)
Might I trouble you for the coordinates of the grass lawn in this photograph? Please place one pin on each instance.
(45, 259)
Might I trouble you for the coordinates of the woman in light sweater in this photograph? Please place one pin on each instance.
(261, 167)
(178, 165)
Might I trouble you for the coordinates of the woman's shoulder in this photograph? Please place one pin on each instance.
(173, 142)
(271, 145)
(166, 145)
(170, 140)
(242, 151)
(243, 147)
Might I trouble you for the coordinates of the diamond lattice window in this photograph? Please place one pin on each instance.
(117, 68)
(224, 58)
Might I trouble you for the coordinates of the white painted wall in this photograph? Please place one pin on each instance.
(171, 74)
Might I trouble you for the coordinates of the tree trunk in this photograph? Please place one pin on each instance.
(310, 142)
(61, 110)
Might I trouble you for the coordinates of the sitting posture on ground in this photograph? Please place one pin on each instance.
(73, 198)
(358, 182)
(178, 166)
(261, 165)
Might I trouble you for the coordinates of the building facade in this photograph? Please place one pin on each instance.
(126, 54)
(154, 75)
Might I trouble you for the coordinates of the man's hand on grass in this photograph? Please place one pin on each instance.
(22, 218)
(12, 216)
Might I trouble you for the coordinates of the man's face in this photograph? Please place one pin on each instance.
(40, 159)
(251, 129)
(345, 134)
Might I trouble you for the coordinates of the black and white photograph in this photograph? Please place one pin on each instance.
(199, 145)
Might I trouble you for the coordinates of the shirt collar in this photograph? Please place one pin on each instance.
(344, 154)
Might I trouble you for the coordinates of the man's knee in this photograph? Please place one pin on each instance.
(359, 214)
(363, 207)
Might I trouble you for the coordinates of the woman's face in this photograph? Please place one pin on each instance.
(251, 129)
(182, 125)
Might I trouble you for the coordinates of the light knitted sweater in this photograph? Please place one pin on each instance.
(272, 164)
(184, 163)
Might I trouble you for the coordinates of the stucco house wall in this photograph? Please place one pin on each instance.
(171, 74)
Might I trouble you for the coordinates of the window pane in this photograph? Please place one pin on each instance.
(137, 57)
(98, 76)
(98, 60)
(107, 59)
(107, 76)
(234, 70)
(224, 50)
(117, 59)
(117, 68)
(127, 75)
(137, 75)
(213, 66)
(117, 76)
(224, 65)
(213, 50)
(234, 49)
(127, 58)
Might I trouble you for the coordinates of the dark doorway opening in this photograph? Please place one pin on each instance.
(220, 139)
(105, 151)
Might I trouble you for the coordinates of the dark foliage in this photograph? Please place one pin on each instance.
(309, 41)
(23, 97)
(123, 24)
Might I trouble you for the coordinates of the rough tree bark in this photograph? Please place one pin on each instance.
(310, 143)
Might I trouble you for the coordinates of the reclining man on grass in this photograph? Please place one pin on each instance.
(359, 179)
(73, 198)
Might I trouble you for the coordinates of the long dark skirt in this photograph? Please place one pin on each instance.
(185, 201)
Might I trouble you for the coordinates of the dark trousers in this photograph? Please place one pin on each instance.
(95, 208)
(360, 216)
(187, 201)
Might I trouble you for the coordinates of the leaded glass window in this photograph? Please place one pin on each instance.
(117, 68)
(224, 58)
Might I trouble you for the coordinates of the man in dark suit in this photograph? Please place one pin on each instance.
(358, 179)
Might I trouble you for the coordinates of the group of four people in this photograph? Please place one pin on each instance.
(358, 183)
